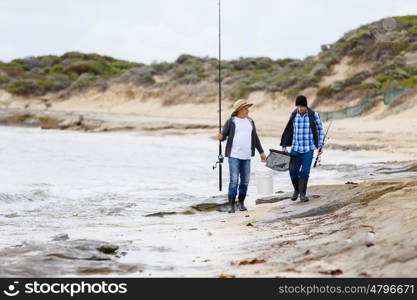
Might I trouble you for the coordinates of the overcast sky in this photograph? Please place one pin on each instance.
(161, 30)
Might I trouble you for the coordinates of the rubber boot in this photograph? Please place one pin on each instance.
(302, 187)
(232, 202)
(240, 204)
(296, 191)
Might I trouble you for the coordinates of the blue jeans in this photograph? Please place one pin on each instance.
(302, 165)
(239, 168)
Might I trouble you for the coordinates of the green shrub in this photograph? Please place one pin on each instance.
(62, 81)
(74, 55)
(408, 83)
(45, 85)
(326, 92)
(411, 70)
(305, 81)
(18, 62)
(357, 78)
(42, 74)
(81, 67)
(406, 19)
(23, 87)
(4, 79)
(121, 65)
(385, 78)
(258, 86)
(13, 69)
(397, 47)
(189, 79)
(84, 80)
(141, 76)
(40, 62)
(187, 59)
(55, 69)
(362, 87)
(249, 63)
(283, 62)
(162, 68)
(33, 86)
(263, 62)
(292, 92)
(412, 30)
(319, 70)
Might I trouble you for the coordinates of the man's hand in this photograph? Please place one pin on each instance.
(285, 150)
(319, 151)
(218, 136)
(263, 157)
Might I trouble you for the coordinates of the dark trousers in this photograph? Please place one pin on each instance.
(302, 166)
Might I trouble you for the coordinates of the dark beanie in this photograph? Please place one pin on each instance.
(301, 100)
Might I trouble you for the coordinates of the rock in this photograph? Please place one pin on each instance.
(91, 125)
(61, 237)
(205, 207)
(108, 248)
(410, 167)
(31, 122)
(272, 199)
(161, 214)
(71, 121)
(333, 198)
(167, 213)
(49, 122)
(63, 257)
(252, 262)
(332, 272)
(12, 215)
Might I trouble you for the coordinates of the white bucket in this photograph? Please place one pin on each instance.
(264, 180)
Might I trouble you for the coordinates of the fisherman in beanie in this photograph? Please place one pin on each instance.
(303, 133)
(242, 139)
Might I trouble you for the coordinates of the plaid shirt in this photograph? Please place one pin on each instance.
(303, 140)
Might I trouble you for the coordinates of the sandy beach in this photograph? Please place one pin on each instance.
(366, 228)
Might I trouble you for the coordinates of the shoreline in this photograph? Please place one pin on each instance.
(356, 134)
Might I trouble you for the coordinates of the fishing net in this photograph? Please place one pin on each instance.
(348, 112)
(392, 95)
(280, 160)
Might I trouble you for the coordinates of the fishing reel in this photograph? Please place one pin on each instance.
(220, 161)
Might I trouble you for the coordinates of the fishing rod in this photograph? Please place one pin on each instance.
(321, 148)
(220, 156)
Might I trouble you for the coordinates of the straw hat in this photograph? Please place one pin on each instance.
(239, 104)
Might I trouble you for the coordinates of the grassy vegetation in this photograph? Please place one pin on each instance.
(406, 19)
(42, 74)
(240, 77)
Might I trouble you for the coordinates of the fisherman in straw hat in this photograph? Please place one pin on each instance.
(242, 139)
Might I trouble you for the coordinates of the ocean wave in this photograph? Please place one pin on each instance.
(32, 196)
